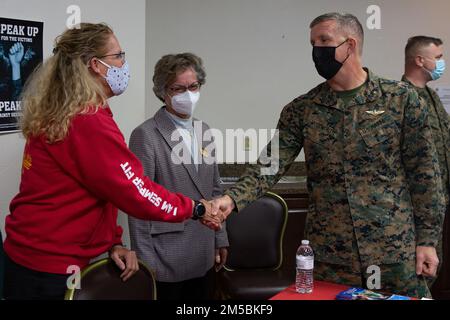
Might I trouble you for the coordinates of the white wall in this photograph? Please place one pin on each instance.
(256, 52)
(129, 24)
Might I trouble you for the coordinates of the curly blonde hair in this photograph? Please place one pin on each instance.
(63, 86)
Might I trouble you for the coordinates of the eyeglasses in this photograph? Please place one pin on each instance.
(120, 55)
(180, 89)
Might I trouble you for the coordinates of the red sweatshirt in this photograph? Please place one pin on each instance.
(66, 211)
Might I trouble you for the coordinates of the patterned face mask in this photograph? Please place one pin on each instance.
(117, 78)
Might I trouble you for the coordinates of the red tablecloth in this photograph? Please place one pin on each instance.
(322, 291)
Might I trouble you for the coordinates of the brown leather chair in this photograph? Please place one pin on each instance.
(253, 268)
(101, 281)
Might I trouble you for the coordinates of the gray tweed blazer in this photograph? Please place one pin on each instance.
(175, 251)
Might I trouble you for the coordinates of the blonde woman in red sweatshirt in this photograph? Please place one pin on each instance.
(77, 170)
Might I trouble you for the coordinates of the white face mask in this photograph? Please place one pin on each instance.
(117, 78)
(185, 103)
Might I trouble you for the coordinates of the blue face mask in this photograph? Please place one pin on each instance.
(117, 78)
(438, 71)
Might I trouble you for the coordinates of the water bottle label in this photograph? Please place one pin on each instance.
(305, 263)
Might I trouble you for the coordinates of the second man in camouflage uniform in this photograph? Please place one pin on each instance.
(424, 63)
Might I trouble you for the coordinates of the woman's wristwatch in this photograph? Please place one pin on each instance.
(199, 210)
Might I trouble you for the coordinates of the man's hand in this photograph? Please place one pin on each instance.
(222, 206)
(120, 255)
(426, 261)
(217, 211)
(213, 222)
(221, 258)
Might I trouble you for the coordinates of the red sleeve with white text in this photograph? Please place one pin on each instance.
(96, 155)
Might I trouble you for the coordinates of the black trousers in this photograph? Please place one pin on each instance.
(25, 284)
(191, 289)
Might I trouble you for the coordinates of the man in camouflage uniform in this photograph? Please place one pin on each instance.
(371, 168)
(424, 63)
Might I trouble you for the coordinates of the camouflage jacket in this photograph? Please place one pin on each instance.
(371, 169)
(440, 127)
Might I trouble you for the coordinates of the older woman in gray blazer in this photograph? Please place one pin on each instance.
(172, 152)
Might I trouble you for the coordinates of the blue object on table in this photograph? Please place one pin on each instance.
(397, 297)
(360, 294)
(349, 294)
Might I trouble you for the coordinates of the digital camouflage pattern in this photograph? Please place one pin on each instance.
(371, 166)
(440, 126)
(399, 278)
(440, 130)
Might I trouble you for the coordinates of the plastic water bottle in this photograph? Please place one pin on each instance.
(304, 280)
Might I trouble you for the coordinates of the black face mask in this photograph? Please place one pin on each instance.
(325, 60)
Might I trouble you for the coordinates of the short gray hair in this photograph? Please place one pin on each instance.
(347, 23)
(170, 66)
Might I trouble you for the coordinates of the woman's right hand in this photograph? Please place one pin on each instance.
(210, 220)
(126, 260)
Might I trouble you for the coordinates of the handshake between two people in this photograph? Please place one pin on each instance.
(217, 211)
